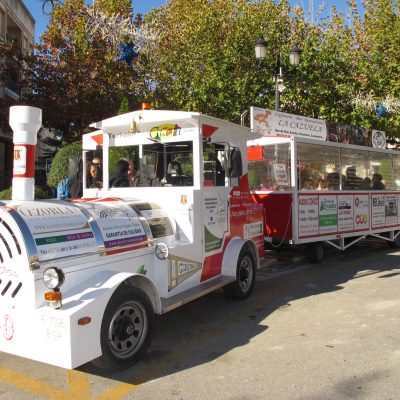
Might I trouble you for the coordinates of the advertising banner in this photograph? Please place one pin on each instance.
(308, 215)
(328, 214)
(59, 229)
(281, 175)
(361, 211)
(118, 223)
(345, 213)
(391, 209)
(377, 210)
(268, 122)
(215, 212)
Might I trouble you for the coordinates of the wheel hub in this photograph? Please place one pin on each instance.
(125, 328)
(244, 274)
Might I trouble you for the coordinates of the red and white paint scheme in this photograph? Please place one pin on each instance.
(82, 279)
(315, 192)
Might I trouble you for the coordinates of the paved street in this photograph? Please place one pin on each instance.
(327, 331)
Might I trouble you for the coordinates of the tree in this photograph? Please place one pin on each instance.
(206, 58)
(59, 166)
(75, 77)
(204, 61)
(377, 62)
(11, 75)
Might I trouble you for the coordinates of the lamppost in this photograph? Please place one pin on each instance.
(260, 48)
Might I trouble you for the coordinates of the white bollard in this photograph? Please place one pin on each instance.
(25, 121)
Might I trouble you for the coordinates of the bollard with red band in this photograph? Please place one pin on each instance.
(25, 121)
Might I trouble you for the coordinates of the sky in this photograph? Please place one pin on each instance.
(144, 6)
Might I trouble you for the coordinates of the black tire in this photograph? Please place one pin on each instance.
(245, 277)
(395, 243)
(126, 329)
(315, 252)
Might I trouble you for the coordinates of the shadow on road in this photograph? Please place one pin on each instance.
(209, 328)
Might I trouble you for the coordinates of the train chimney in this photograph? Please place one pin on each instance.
(25, 121)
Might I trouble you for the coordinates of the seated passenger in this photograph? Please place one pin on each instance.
(377, 183)
(322, 184)
(352, 181)
(174, 168)
(307, 184)
(133, 173)
(270, 185)
(175, 175)
(95, 178)
(120, 178)
(333, 179)
(367, 183)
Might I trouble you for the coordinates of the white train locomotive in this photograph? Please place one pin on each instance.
(82, 279)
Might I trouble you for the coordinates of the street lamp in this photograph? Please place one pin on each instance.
(260, 48)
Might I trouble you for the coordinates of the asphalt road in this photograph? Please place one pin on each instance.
(327, 331)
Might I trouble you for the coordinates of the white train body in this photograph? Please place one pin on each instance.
(170, 239)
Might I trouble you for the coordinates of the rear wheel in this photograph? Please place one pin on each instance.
(245, 277)
(315, 252)
(126, 329)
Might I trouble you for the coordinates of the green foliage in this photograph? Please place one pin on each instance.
(206, 59)
(253, 178)
(205, 62)
(117, 153)
(124, 106)
(6, 194)
(40, 193)
(75, 76)
(59, 166)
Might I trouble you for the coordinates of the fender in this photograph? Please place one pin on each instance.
(231, 255)
(106, 283)
(91, 302)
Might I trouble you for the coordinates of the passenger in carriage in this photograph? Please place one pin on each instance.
(120, 178)
(323, 184)
(307, 184)
(333, 179)
(352, 181)
(367, 183)
(267, 184)
(377, 183)
(95, 176)
(305, 181)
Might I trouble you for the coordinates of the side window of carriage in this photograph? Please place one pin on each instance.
(234, 165)
(214, 164)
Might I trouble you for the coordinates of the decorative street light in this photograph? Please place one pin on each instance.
(260, 48)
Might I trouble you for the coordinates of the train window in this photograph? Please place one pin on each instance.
(160, 164)
(318, 167)
(270, 169)
(214, 164)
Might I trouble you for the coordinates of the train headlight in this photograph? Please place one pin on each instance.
(53, 278)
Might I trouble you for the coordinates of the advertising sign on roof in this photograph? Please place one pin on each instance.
(378, 139)
(268, 122)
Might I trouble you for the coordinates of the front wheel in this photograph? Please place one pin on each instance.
(126, 329)
(245, 277)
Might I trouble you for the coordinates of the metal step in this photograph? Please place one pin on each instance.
(168, 304)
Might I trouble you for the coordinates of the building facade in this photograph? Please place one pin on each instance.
(17, 25)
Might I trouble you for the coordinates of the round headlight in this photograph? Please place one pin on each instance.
(53, 278)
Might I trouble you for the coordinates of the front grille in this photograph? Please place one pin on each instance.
(10, 261)
(11, 288)
(9, 240)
